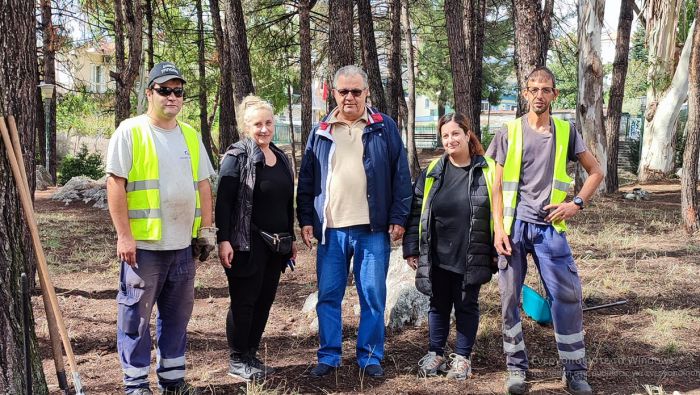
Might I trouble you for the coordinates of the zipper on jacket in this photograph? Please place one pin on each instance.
(471, 215)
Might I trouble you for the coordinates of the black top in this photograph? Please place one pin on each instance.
(451, 211)
(272, 193)
(273, 190)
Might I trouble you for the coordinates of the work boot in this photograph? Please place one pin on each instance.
(431, 364)
(239, 367)
(180, 389)
(577, 382)
(141, 391)
(460, 367)
(515, 383)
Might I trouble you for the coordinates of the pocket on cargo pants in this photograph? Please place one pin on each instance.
(128, 311)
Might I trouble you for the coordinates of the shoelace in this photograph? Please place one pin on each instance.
(458, 363)
(430, 361)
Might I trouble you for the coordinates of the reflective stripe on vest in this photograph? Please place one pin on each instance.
(143, 185)
(513, 164)
(489, 175)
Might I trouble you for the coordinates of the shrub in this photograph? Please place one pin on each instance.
(83, 164)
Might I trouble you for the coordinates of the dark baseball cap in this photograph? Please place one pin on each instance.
(164, 71)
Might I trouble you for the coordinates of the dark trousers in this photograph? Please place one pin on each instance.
(448, 291)
(251, 297)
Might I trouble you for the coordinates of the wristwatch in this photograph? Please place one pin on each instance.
(578, 201)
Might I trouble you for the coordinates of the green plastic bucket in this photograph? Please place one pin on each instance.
(536, 306)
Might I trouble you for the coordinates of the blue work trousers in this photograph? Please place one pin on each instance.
(559, 275)
(165, 279)
(370, 251)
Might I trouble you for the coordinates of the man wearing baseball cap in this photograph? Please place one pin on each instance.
(160, 202)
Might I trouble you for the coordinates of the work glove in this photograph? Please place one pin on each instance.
(205, 243)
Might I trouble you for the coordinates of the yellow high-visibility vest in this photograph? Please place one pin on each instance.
(143, 183)
(489, 175)
(511, 170)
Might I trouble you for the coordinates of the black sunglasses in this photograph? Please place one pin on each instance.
(355, 92)
(165, 91)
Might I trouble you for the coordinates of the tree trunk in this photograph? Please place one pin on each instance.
(203, 121)
(533, 24)
(589, 110)
(465, 36)
(341, 34)
(689, 180)
(474, 16)
(370, 59)
(413, 163)
(18, 77)
(228, 132)
(305, 7)
(238, 46)
(395, 88)
(127, 14)
(617, 93)
(658, 145)
(49, 49)
(340, 37)
(149, 34)
(291, 126)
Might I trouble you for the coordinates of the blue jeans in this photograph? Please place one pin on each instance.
(164, 278)
(371, 261)
(552, 255)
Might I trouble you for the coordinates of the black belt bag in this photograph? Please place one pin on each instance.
(280, 243)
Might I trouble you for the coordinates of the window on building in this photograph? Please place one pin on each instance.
(426, 103)
(484, 106)
(98, 79)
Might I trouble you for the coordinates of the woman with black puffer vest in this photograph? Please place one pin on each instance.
(449, 242)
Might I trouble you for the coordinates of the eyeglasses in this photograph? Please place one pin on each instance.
(355, 92)
(165, 91)
(545, 91)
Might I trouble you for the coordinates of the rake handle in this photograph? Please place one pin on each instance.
(48, 291)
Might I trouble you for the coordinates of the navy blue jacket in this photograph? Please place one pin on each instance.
(386, 169)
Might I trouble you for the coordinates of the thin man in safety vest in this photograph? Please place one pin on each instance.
(529, 209)
(161, 206)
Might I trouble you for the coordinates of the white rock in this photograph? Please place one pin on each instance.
(310, 303)
(404, 304)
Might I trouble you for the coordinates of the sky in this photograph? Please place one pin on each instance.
(612, 13)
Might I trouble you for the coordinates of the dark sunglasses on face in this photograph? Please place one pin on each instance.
(165, 91)
(355, 92)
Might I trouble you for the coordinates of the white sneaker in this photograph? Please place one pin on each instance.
(431, 364)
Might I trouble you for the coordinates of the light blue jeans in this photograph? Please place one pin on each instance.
(371, 261)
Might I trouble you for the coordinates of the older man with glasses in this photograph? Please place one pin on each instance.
(160, 201)
(353, 196)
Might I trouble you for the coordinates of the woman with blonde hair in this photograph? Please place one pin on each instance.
(448, 240)
(254, 214)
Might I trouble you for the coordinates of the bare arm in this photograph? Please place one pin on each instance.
(500, 238)
(595, 175)
(567, 210)
(204, 188)
(116, 201)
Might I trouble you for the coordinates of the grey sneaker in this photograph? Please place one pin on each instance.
(515, 383)
(460, 367)
(577, 383)
(242, 369)
(431, 364)
(255, 362)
